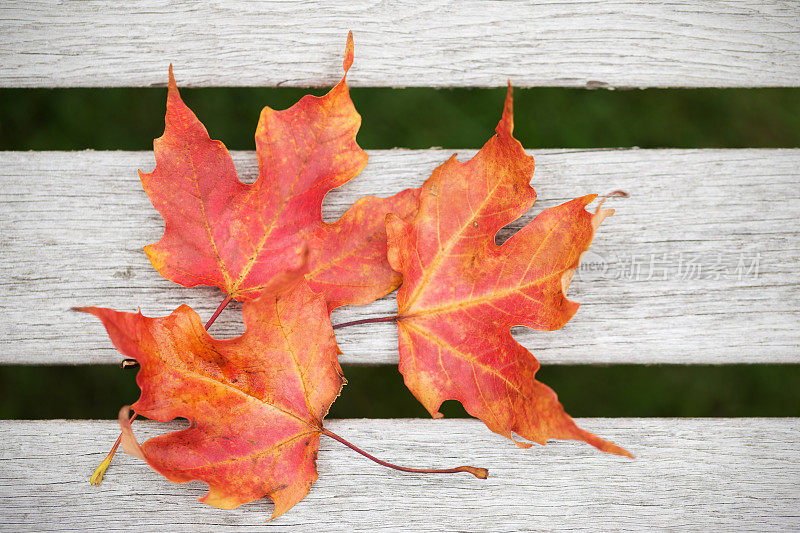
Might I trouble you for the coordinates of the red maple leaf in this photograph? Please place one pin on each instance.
(246, 239)
(462, 293)
(255, 403)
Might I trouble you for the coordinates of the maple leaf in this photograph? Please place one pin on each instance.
(255, 402)
(245, 239)
(462, 293)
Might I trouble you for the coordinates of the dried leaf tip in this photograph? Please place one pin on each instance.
(601, 214)
(506, 124)
(480, 473)
(348, 53)
(172, 87)
(618, 193)
(129, 442)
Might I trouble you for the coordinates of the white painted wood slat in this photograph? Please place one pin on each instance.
(437, 43)
(699, 265)
(689, 474)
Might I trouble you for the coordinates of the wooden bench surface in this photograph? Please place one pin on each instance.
(436, 43)
(74, 224)
(79, 231)
(689, 474)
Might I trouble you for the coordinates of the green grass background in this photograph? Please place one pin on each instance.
(129, 119)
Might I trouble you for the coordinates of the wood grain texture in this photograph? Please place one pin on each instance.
(670, 277)
(689, 474)
(438, 43)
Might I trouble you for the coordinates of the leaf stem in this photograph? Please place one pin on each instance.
(97, 475)
(222, 306)
(480, 473)
(365, 321)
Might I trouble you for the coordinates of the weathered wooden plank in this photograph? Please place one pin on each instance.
(438, 43)
(690, 474)
(668, 279)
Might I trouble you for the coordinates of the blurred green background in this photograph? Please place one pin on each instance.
(129, 119)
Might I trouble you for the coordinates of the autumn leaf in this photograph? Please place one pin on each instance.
(462, 293)
(255, 403)
(244, 238)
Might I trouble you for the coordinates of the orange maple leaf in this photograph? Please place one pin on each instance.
(245, 238)
(255, 403)
(462, 293)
